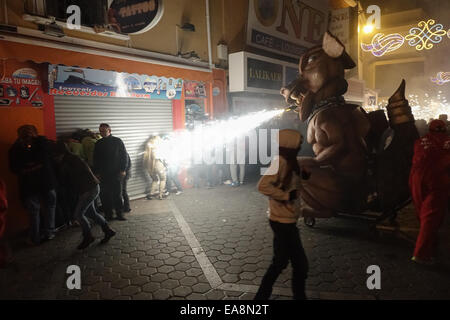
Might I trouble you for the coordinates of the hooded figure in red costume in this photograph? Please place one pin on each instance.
(430, 185)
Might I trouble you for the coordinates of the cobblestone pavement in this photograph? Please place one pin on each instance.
(217, 244)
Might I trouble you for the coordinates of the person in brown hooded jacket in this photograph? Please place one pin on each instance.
(282, 183)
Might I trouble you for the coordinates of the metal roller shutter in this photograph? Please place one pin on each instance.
(132, 120)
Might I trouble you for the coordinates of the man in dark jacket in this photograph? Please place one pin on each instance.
(29, 159)
(110, 164)
(79, 179)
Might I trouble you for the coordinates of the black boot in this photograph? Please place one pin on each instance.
(109, 233)
(87, 240)
(120, 216)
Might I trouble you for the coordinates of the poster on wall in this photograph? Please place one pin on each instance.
(194, 90)
(70, 81)
(21, 87)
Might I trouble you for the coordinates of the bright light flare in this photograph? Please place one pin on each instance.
(183, 148)
(368, 28)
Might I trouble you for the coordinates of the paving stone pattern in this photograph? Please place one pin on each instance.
(150, 257)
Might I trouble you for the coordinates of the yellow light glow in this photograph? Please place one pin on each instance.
(368, 28)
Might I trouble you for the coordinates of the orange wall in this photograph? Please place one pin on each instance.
(10, 119)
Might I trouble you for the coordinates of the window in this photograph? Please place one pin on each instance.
(93, 12)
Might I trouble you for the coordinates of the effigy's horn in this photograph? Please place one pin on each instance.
(398, 108)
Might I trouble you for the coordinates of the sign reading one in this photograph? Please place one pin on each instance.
(286, 27)
(134, 16)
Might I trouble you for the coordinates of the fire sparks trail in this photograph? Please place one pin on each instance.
(180, 148)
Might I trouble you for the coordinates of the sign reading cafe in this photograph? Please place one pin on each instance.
(70, 81)
(286, 27)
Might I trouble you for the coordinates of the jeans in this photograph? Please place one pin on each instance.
(111, 195)
(233, 171)
(173, 181)
(85, 208)
(32, 204)
(287, 246)
(126, 198)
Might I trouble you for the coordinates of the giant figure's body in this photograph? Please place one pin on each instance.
(336, 130)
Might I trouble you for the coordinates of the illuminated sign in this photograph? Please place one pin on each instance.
(426, 35)
(382, 44)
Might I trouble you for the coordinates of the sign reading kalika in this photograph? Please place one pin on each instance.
(255, 73)
(265, 75)
(286, 27)
(69, 81)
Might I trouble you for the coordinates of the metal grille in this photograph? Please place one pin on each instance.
(132, 120)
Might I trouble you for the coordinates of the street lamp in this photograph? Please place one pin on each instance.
(368, 28)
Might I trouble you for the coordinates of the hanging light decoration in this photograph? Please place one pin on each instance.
(426, 35)
(382, 44)
(441, 78)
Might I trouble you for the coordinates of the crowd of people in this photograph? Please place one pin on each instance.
(67, 177)
(423, 125)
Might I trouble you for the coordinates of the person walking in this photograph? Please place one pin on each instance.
(238, 161)
(30, 160)
(88, 143)
(281, 183)
(429, 181)
(110, 164)
(126, 198)
(156, 169)
(78, 177)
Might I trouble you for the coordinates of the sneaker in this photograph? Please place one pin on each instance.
(51, 237)
(235, 184)
(86, 242)
(127, 210)
(178, 193)
(121, 218)
(425, 262)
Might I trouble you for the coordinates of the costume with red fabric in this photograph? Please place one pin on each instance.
(430, 183)
(3, 207)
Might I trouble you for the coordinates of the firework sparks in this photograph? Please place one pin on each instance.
(182, 148)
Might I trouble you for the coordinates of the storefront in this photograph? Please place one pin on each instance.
(61, 88)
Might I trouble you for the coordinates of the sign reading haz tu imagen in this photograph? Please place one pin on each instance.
(286, 27)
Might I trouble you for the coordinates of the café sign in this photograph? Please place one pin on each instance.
(286, 27)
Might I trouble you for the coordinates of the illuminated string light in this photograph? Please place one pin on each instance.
(441, 78)
(382, 44)
(426, 35)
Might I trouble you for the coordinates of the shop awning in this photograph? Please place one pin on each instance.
(41, 51)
